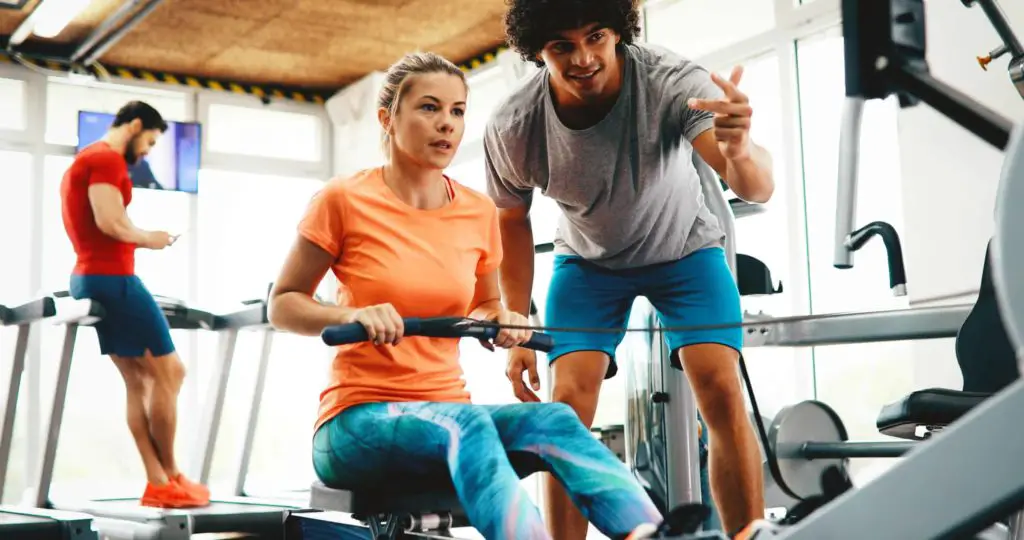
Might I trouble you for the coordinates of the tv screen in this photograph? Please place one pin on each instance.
(172, 165)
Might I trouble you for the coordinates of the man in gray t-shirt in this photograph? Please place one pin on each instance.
(607, 128)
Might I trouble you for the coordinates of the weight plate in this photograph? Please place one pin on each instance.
(795, 425)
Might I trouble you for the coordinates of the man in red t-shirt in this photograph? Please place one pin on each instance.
(95, 194)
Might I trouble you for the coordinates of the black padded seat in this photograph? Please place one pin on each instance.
(430, 494)
(753, 277)
(932, 408)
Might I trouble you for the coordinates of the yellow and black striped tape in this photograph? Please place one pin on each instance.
(294, 94)
(260, 91)
(482, 60)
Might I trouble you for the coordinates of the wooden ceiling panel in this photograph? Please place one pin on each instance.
(154, 57)
(310, 43)
(9, 20)
(485, 34)
(257, 10)
(249, 65)
(281, 36)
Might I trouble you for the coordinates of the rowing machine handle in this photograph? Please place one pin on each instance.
(344, 334)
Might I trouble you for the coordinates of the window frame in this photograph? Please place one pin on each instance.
(322, 168)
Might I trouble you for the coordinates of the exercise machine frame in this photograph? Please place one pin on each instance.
(125, 516)
(18, 521)
(885, 55)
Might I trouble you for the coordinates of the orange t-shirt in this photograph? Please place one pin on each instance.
(423, 262)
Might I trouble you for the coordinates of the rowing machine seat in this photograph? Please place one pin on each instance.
(406, 501)
(987, 362)
(932, 409)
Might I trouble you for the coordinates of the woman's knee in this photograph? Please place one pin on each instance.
(559, 417)
(475, 420)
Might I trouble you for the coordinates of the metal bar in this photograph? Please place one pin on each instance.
(24, 30)
(840, 450)
(897, 325)
(1002, 26)
(846, 191)
(973, 116)
(60, 394)
(116, 35)
(682, 454)
(1016, 526)
(254, 413)
(976, 463)
(213, 409)
(11, 407)
(105, 26)
(1007, 257)
(1016, 70)
(32, 311)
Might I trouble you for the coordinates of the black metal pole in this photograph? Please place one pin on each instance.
(984, 122)
(839, 450)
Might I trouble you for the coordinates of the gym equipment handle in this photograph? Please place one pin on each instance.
(452, 327)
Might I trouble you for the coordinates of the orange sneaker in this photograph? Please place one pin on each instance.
(171, 495)
(199, 490)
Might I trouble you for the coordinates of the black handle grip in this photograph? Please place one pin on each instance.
(540, 342)
(344, 334)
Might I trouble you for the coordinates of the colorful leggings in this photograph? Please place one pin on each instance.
(366, 445)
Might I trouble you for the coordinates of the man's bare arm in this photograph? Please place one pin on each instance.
(111, 217)
(516, 271)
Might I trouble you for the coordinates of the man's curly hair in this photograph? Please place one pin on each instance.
(530, 24)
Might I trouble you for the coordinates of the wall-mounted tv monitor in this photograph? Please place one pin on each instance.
(172, 165)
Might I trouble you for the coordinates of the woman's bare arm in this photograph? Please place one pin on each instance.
(292, 306)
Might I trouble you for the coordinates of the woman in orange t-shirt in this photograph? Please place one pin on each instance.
(406, 241)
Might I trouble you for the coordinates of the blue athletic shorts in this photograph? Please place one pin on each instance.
(134, 323)
(696, 290)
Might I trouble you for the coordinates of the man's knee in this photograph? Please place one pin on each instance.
(137, 383)
(712, 371)
(168, 371)
(577, 379)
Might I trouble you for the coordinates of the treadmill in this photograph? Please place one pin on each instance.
(288, 499)
(16, 521)
(254, 520)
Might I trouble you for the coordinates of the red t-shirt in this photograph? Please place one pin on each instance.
(97, 252)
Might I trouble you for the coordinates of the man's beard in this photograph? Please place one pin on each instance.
(129, 152)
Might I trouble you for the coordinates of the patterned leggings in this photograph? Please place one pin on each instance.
(367, 444)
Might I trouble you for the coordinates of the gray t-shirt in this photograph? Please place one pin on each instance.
(629, 193)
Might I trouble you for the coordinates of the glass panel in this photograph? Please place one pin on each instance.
(848, 377)
(470, 173)
(685, 25)
(486, 91)
(247, 224)
(64, 100)
(15, 215)
(260, 132)
(12, 104)
(780, 374)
